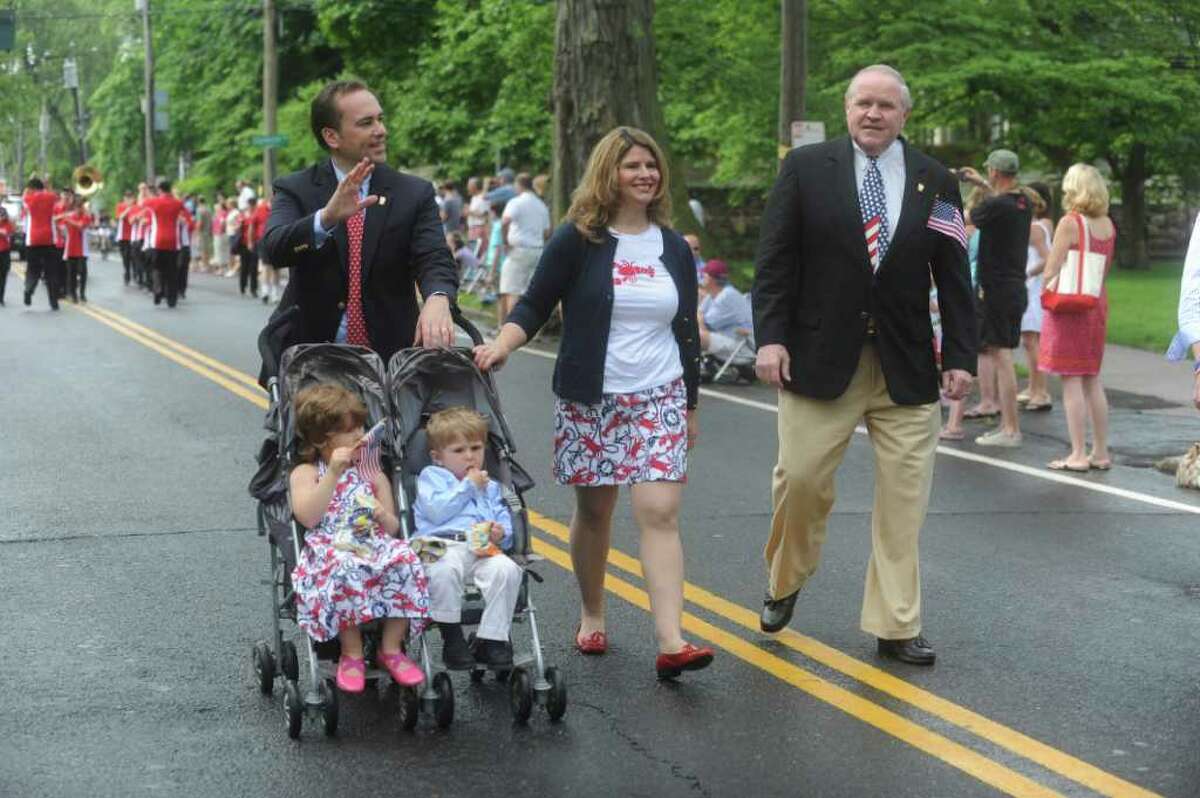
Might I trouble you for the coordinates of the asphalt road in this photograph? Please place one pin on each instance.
(1066, 614)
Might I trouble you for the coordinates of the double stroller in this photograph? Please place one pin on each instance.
(415, 384)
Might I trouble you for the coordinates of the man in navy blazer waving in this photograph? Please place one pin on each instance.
(853, 232)
(356, 235)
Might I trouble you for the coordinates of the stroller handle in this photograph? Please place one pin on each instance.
(266, 351)
(465, 324)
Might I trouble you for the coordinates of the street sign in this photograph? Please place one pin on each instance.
(270, 142)
(804, 133)
(70, 74)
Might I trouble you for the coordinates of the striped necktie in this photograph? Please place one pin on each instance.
(873, 202)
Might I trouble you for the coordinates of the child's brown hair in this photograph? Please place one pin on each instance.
(322, 410)
(446, 426)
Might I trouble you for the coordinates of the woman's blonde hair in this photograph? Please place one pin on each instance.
(322, 410)
(598, 195)
(453, 424)
(1085, 191)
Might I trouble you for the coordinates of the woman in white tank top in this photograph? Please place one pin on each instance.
(1036, 396)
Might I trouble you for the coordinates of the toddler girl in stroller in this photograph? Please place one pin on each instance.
(340, 587)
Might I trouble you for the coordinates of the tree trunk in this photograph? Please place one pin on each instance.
(1132, 239)
(605, 75)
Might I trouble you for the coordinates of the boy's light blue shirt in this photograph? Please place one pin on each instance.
(446, 504)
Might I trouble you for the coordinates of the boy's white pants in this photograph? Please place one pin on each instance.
(498, 579)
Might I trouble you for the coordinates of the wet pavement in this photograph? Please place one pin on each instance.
(1065, 610)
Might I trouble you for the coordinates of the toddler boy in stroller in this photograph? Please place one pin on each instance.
(463, 527)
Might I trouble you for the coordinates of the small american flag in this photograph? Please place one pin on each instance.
(369, 463)
(947, 219)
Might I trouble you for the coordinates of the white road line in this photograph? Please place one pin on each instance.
(1029, 471)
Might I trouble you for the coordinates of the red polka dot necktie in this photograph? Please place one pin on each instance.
(356, 323)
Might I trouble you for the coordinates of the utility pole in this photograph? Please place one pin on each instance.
(148, 102)
(71, 81)
(270, 88)
(793, 68)
(43, 137)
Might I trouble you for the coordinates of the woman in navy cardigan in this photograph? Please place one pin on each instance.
(626, 377)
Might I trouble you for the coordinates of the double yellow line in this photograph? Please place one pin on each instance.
(920, 737)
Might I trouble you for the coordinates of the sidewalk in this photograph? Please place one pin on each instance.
(1151, 415)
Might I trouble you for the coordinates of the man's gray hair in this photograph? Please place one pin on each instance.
(883, 69)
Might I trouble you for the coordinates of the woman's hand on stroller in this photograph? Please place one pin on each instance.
(491, 355)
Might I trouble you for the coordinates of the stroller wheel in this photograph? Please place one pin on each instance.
(288, 661)
(556, 701)
(264, 668)
(410, 708)
(329, 708)
(520, 695)
(293, 709)
(444, 713)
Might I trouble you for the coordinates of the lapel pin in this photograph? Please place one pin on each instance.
(920, 187)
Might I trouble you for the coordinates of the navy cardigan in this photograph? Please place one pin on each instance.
(578, 272)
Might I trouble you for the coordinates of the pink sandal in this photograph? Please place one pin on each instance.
(404, 671)
(351, 674)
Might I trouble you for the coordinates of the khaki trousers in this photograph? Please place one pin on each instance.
(813, 435)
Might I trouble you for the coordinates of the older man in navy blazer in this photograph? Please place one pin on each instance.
(853, 231)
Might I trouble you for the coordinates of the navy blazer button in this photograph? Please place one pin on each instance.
(341, 306)
(862, 314)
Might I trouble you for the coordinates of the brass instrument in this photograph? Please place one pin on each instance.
(87, 180)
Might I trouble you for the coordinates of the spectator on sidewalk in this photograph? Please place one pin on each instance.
(504, 191)
(726, 322)
(1036, 397)
(1072, 344)
(220, 257)
(203, 245)
(1003, 218)
(452, 207)
(693, 242)
(526, 224)
(477, 215)
(956, 408)
(1188, 338)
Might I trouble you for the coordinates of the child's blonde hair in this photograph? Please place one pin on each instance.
(322, 410)
(454, 423)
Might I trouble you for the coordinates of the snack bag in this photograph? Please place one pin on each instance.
(480, 542)
(354, 535)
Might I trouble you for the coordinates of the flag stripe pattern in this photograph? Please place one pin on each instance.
(874, 210)
(947, 219)
(369, 462)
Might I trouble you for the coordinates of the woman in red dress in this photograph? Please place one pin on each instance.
(1072, 344)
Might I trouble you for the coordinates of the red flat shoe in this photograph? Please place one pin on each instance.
(593, 645)
(688, 658)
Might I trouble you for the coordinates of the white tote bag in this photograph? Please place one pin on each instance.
(1078, 285)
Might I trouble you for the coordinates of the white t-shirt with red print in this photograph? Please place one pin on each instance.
(642, 351)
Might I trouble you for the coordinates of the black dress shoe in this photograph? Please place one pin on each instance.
(495, 654)
(777, 613)
(456, 656)
(914, 650)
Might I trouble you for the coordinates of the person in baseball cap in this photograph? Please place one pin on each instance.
(1003, 161)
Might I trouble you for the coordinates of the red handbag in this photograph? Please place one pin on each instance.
(1077, 287)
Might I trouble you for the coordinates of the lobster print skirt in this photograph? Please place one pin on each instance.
(625, 439)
